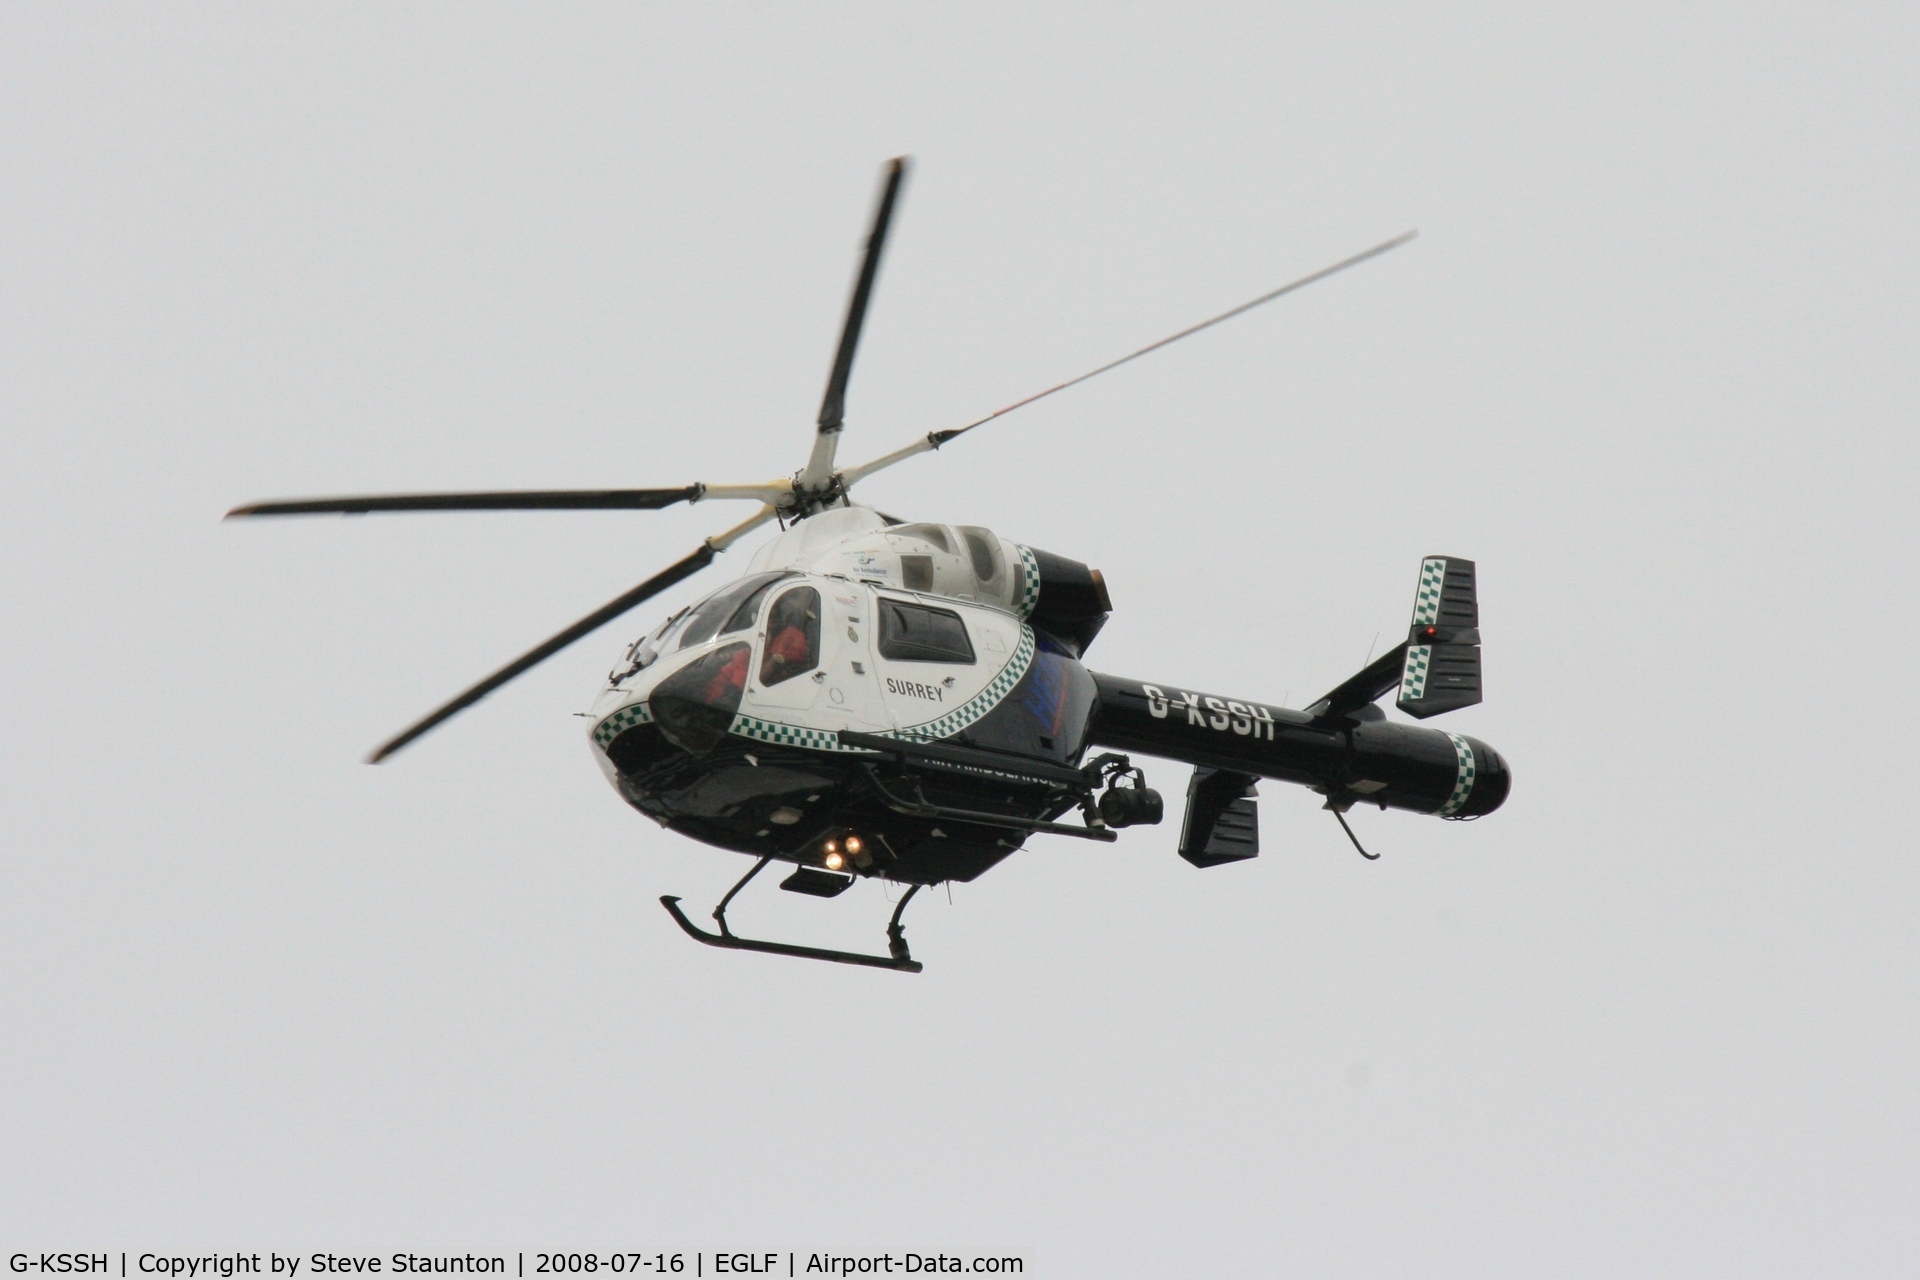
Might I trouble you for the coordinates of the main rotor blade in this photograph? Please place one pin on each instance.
(833, 406)
(529, 500)
(938, 438)
(606, 613)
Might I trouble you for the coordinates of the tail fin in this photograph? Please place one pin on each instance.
(1441, 671)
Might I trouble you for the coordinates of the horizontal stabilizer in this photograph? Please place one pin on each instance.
(1223, 820)
(1377, 679)
(1441, 667)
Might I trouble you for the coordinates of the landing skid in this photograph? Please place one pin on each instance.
(900, 958)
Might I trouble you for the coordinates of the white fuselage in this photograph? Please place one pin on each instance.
(856, 563)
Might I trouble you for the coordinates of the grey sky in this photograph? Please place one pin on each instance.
(1650, 363)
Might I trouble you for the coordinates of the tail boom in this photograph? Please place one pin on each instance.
(1358, 758)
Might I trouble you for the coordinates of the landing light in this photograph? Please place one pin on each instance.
(853, 846)
(834, 860)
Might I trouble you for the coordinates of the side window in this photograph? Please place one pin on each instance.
(793, 636)
(916, 633)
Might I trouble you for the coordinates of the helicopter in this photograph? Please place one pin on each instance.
(906, 700)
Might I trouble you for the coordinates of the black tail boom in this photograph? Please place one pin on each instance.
(1355, 757)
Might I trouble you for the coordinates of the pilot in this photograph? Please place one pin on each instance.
(724, 689)
(791, 626)
(788, 651)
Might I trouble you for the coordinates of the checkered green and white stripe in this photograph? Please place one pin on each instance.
(945, 727)
(619, 722)
(786, 735)
(987, 699)
(1426, 601)
(1413, 677)
(1463, 779)
(790, 735)
(1030, 580)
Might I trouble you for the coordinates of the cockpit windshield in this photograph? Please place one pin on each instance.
(735, 607)
(645, 650)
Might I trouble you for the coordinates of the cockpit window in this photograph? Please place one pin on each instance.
(694, 706)
(917, 633)
(793, 636)
(735, 606)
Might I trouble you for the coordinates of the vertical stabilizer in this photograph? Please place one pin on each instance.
(1441, 671)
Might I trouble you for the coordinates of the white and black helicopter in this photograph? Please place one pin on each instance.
(907, 700)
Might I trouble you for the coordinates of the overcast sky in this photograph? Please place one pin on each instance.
(1650, 363)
